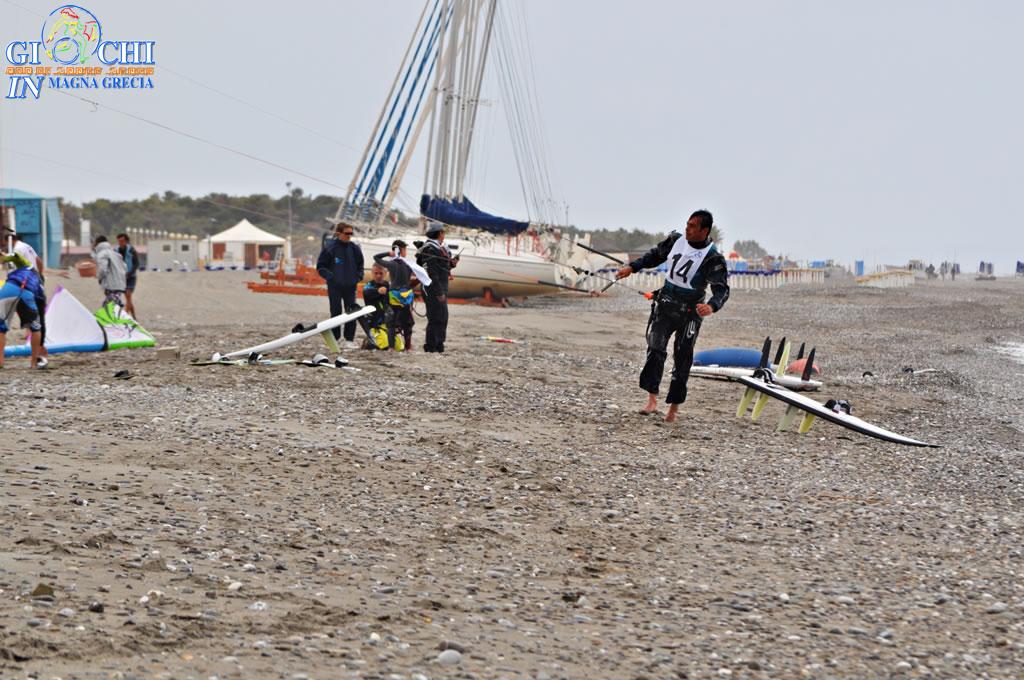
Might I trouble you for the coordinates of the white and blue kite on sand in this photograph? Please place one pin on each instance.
(70, 327)
(299, 333)
(763, 385)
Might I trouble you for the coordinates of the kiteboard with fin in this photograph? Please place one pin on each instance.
(300, 332)
(813, 409)
(763, 384)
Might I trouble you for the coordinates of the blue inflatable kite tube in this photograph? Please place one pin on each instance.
(464, 214)
(26, 350)
(735, 357)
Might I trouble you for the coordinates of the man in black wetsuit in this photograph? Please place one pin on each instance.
(435, 257)
(400, 294)
(694, 264)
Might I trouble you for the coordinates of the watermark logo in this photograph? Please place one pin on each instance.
(73, 54)
(71, 34)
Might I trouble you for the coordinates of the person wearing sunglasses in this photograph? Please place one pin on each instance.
(341, 265)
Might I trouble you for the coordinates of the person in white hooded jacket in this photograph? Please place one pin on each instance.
(111, 272)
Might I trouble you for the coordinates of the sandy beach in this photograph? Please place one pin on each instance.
(503, 511)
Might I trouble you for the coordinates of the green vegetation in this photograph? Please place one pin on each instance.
(202, 216)
(172, 212)
(750, 250)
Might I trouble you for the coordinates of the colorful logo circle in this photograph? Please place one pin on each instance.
(71, 34)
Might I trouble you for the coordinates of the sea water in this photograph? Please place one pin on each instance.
(1014, 350)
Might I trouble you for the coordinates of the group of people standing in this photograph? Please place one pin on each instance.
(390, 290)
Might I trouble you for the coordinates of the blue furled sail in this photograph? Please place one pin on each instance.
(464, 214)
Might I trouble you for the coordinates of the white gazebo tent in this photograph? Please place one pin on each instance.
(244, 243)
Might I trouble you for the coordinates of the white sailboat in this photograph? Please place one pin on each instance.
(438, 87)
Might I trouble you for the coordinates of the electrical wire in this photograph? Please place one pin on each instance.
(197, 138)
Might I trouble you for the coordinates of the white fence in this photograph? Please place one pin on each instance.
(890, 279)
(753, 280)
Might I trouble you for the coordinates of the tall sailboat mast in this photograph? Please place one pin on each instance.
(439, 85)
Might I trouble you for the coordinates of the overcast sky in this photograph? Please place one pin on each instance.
(869, 130)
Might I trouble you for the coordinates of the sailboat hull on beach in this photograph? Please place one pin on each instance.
(484, 269)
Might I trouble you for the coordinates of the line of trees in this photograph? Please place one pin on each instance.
(204, 215)
(215, 212)
(750, 250)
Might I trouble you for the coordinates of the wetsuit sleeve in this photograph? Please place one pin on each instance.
(656, 255)
(323, 265)
(390, 264)
(370, 295)
(718, 279)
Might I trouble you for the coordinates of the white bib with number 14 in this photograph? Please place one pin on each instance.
(683, 262)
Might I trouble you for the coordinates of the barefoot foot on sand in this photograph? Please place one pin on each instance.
(651, 406)
(673, 409)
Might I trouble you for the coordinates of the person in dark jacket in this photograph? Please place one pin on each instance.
(435, 257)
(341, 265)
(693, 264)
(131, 265)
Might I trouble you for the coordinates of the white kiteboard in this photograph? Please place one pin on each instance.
(322, 329)
(813, 409)
(735, 373)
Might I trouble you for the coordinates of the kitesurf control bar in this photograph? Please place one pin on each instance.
(598, 252)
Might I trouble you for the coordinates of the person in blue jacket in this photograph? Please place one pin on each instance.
(341, 265)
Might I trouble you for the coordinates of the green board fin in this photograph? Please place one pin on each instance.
(745, 401)
(759, 405)
(331, 341)
(788, 417)
(780, 368)
(806, 423)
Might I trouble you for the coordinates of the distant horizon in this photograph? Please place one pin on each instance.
(966, 267)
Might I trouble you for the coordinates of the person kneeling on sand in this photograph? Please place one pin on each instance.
(375, 294)
(679, 308)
